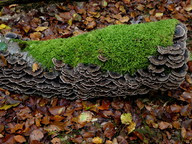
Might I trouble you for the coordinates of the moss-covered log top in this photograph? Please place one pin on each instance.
(118, 48)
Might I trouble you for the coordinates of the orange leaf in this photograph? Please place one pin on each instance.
(35, 36)
(19, 139)
(35, 67)
(97, 140)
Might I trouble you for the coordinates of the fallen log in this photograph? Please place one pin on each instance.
(118, 60)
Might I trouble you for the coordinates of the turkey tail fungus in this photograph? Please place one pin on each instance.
(119, 60)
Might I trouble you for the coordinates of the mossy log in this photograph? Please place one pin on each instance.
(118, 60)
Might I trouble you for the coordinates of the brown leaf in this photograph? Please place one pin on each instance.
(109, 130)
(91, 25)
(121, 140)
(35, 142)
(57, 118)
(35, 36)
(175, 108)
(140, 7)
(180, 16)
(77, 139)
(1, 128)
(56, 140)
(19, 139)
(104, 105)
(124, 19)
(15, 127)
(164, 125)
(140, 104)
(57, 110)
(186, 96)
(36, 135)
(26, 28)
(65, 15)
(176, 124)
(45, 120)
(88, 134)
(183, 132)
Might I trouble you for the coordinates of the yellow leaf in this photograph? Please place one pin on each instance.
(97, 140)
(41, 29)
(35, 67)
(3, 26)
(188, 8)
(131, 127)
(159, 14)
(85, 117)
(6, 107)
(70, 22)
(126, 118)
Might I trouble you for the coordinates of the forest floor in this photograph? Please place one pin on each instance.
(164, 118)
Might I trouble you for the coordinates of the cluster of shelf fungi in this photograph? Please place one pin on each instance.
(166, 71)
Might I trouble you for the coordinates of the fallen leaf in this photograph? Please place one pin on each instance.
(183, 132)
(159, 14)
(126, 118)
(56, 140)
(1, 128)
(6, 107)
(3, 26)
(45, 120)
(104, 105)
(124, 19)
(38, 29)
(164, 125)
(36, 135)
(109, 130)
(131, 127)
(176, 124)
(77, 139)
(26, 28)
(175, 108)
(56, 110)
(188, 8)
(97, 140)
(140, 7)
(35, 36)
(35, 67)
(19, 139)
(85, 117)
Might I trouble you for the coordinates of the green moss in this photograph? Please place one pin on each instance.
(3, 46)
(126, 47)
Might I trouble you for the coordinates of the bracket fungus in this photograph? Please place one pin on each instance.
(118, 60)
